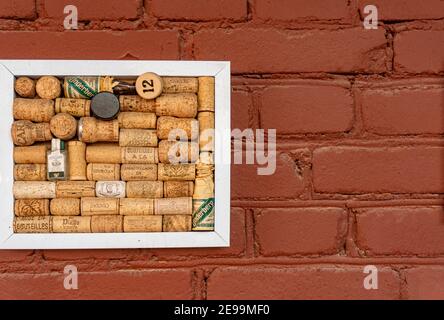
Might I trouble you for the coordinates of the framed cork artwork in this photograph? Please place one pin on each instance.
(114, 154)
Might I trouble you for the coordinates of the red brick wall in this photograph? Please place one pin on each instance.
(359, 117)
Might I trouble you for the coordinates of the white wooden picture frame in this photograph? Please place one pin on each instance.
(9, 69)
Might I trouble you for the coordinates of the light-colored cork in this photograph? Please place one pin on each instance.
(137, 138)
(137, 120)
(30, 172)
(30, 155)
(110, 189)
(142, 223)
(31, 207)
(99, 206)
(63, 126)
(76, 189)
(103, 171)
(176, 223)
(149, 85)
(69, 224)
(205, 94)
(92, 130)
(26, 133)
(104, 153)
(37, 224)
(166, 172)
(144, 189)
(203, 198)
(206, 157)
(65, 207)
(139, 155)
(107, 223)
(77, 160)
(136, 104)
(164, 206)
(25, 87)
(171, 128)
(136, 207)
(74, 107)
(180, 85)
(178, 151)
(48, 87)
(181, 105)
(36, 110)
(206, 130)
(34, 190)
(176, 189)
(139, 172)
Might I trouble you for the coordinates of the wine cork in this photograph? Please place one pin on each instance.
(34, 190)
(181, 105)
(136, 207)
(176, 189)
(75, 107)
(30, 172)
(29, 155)
(103, 206)
(31, 207)
(63, 126)
(149, 85)
(77, 160)
(71, 224)
(203, 198)
(206, 131)
(48, 87)
(137, 138)
(144, 189)
(76, 189)
(92, 130)
(103, 171)
(86, 87)
(39, 224)
(107, 223)
(25, 87)
(104, 153)
(36, 110)
(171, 128)
(178, 151)
(136, 104)
(180, 85)
(26, 133)
(65, 207)
(137, 120)
(176, 223)
(206, 157)
(139, 155)
(205, 94)
(110, 189)
(139, 172)
(142, 223)
(181, 172)
(164, 206)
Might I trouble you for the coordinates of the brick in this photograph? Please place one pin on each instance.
(405, 9)
(198, 10)
(425, 283)
(401, 230)
(307, 109)
(90, 45)
(96, 254)
(398, 111)
(419, 51)
(18, 9)
(93, 10)
(147, 284)
(14, 255)
(256, 50)
(329, 282)
(241, 104)
(288, 181)
(354, 170)
(288, 10)
(285, 231)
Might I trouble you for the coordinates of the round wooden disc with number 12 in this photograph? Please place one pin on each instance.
(149, 85)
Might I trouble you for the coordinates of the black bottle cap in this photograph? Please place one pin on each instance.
(105, 106)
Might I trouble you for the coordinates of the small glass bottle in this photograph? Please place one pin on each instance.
(57, 161)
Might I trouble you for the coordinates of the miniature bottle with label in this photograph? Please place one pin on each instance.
(57, 161)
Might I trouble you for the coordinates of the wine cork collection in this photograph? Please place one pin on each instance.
(82, 168)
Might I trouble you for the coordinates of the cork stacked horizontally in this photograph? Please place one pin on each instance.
(123, 175)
